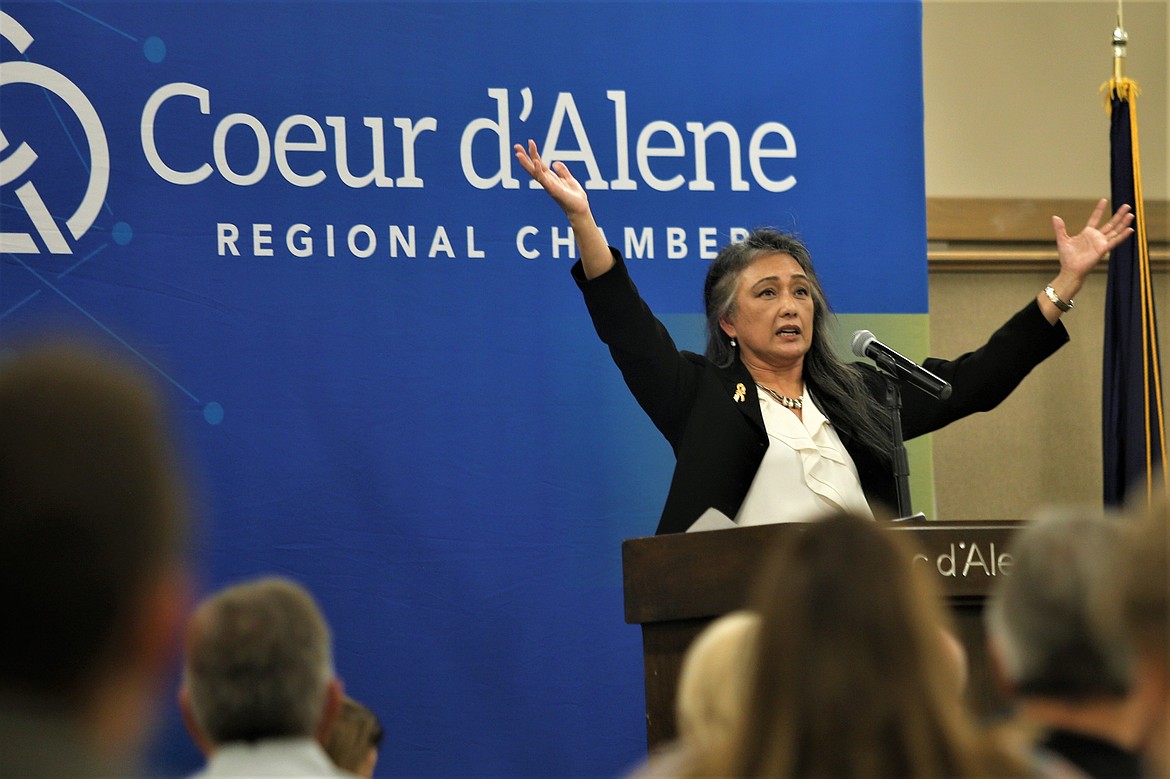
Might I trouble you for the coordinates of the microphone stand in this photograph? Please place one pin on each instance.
(893, 367)
(901, 461)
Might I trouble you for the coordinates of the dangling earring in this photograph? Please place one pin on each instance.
(732, 343)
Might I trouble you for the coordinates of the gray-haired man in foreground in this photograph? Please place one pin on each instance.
(1068, 679)
(259, 692)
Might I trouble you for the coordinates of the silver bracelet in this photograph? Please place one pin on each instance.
(1056, 301)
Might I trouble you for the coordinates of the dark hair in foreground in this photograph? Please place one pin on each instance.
(90, 512)
(853, 677)
(840, 390)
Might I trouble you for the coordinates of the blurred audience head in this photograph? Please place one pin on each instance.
(956, 655)
(854, 676)
(713, 682)
(1138, 608)
(355, 738)
(1040, 620)
(258, 666)
(94, 527)
(1145, 581)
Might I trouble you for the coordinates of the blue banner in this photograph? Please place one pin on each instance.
(305, 217)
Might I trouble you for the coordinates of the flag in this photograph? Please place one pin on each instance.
(1134, 427)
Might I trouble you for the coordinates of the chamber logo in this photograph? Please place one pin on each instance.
(17, 165)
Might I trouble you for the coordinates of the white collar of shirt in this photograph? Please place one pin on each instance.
(302, 757)
(806, 470)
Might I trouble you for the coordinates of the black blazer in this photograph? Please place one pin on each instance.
(718, 442)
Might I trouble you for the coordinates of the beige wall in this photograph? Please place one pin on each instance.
(1012, 102)
(1012, 111)
(1043, 444)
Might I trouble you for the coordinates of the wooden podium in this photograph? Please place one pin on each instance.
(676, 584)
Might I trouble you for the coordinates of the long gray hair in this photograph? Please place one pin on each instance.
(839, 387)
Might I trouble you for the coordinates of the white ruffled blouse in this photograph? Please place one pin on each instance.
(806, 471)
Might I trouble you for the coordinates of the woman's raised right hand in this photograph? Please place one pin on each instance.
(568, 193)
(557, 181)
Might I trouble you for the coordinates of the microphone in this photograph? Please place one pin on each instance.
(866, 344)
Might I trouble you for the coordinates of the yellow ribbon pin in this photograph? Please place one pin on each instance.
(740, 393)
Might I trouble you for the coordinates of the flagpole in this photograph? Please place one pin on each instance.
(1120, 39)
(1134, 424)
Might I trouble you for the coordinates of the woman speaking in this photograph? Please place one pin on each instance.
(770, 425)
